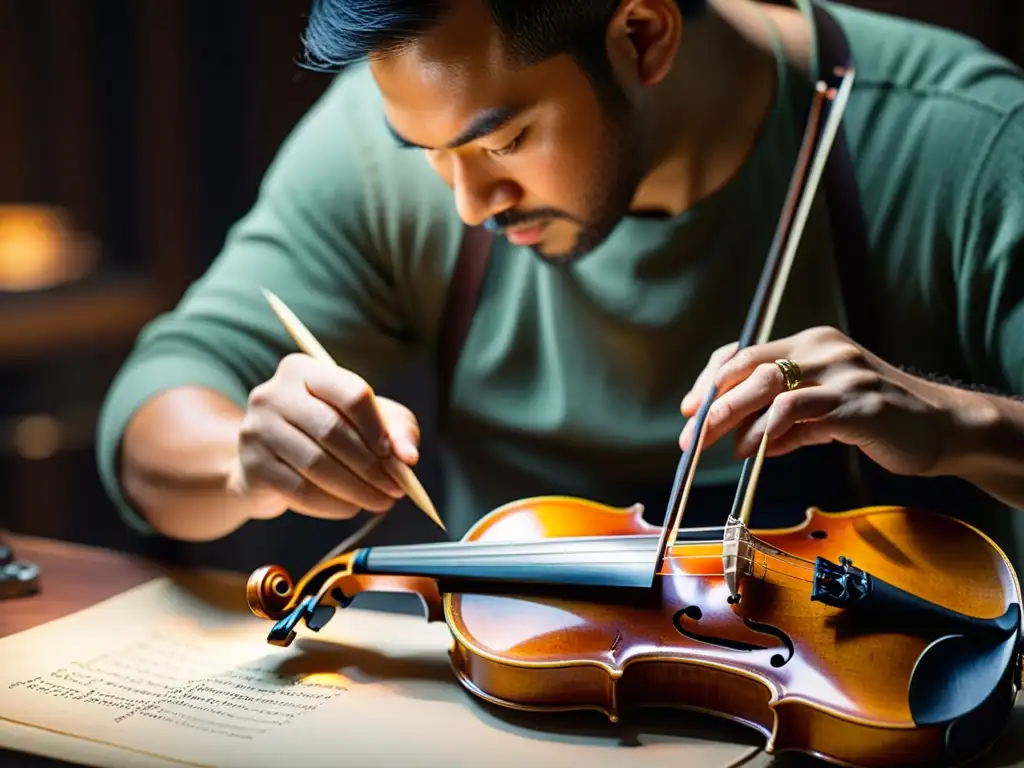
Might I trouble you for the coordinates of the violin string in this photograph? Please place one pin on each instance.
(526, 548)
(353, 540)
(762, 547)
(745, 558)
(757, 568)
(792, 562)
(760, 568)
(784, 557)
(719, 574)
(481, 552)
(486, 549)
(765, 549)
(621, 558)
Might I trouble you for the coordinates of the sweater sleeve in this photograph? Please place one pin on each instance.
(989, 260)
(312, 238)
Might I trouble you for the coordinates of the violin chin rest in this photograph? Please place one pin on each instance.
(956, 674)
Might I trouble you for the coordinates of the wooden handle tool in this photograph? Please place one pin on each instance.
(404, 475)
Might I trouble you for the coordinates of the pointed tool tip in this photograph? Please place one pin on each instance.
(415, 491)
(272, 299)
(424, 503)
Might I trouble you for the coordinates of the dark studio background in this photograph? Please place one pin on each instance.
(149, 123)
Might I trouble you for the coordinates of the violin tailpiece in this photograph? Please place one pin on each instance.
(846, 586)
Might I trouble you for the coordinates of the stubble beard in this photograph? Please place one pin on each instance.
(611, 188)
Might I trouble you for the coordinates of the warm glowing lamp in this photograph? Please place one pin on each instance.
(40, 249)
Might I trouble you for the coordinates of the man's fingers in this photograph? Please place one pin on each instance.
(743, 364)
(800, 436)
(403, 428)
(405, 448)
(356, 401)
(315, 466)
(751, 395)
(300, 495)
(332, 431)
(692, 400)
(788, 411)
(686, 436)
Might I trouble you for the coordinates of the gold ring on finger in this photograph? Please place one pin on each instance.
(790, 372)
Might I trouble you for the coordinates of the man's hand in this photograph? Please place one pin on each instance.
(313, 439)
(845, 394)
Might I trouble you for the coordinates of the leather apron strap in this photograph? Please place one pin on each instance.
(460, 306)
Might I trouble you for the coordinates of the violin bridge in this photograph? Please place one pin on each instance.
(736, 555)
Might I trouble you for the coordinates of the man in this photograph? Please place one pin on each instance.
(634, 157)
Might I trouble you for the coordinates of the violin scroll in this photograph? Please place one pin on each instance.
(269, 592)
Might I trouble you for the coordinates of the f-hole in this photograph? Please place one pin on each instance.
(693, 614)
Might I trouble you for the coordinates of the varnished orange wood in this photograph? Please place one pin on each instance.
(838, 691)
(271, 594)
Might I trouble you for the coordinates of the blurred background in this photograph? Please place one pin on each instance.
(132, 135)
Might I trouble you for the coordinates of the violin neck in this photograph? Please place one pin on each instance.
(594, 561)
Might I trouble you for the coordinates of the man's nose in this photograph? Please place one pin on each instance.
(480, 195)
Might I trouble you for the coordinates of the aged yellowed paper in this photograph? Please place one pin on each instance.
(180, 670)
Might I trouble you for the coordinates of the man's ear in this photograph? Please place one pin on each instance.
(643, 38)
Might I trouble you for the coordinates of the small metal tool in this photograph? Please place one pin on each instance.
(18, 578)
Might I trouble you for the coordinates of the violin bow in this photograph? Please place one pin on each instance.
(736, 535)
(759, 321)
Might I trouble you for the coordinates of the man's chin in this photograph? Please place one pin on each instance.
(553, 255)
(586, 242)
(559, 247)
(563, 242)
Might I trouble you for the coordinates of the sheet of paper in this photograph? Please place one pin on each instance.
(181, 670)
(71, 750)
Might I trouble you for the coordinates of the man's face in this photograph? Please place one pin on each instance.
(533, 152)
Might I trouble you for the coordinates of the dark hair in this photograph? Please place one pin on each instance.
(342, 32)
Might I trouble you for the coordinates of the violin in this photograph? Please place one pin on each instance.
(876, 636)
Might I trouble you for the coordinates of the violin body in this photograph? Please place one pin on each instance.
(869, 683)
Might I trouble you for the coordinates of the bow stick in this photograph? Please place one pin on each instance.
(736, 536)
(831, 129)
(403, 474)
(760, 319)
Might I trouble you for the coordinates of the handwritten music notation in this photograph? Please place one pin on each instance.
(155, 679)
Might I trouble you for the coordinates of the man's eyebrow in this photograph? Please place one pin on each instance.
(486, 122)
